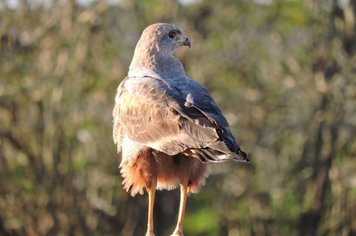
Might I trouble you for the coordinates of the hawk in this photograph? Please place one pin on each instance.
(167, 126)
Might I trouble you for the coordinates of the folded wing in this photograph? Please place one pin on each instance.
(173, 117)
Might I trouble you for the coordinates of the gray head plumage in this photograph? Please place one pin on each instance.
(154, 51)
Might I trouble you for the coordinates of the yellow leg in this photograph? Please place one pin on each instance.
(183, 200)
(151, 201)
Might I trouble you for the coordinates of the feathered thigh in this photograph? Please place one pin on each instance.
(167, 172)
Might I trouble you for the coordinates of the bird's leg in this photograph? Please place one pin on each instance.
(183, 200)
(151, 201)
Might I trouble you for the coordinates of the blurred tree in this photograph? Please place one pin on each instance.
(283, 72)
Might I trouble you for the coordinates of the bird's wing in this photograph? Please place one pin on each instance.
(118, 132)
(197, 103)
(173, 118)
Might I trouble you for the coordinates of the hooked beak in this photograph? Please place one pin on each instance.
(187, 42)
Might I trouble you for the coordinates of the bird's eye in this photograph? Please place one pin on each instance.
(172, 34)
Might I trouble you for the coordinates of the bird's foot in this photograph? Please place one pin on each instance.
(150, 233)
(177, 233)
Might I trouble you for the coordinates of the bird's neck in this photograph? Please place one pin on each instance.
(152, 61)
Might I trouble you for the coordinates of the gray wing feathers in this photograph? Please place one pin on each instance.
(145, 116)
(172, 117)
(199, 103)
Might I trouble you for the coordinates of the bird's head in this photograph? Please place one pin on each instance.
(163, 37)
(154, 51)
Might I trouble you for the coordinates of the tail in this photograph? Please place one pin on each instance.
(211, 155)
(241, 156)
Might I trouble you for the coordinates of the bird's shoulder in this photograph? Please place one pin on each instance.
(147, 87)
(197, 96)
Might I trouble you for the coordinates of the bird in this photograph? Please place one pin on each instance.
(167, 126)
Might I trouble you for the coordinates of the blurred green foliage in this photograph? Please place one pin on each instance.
(283, 72)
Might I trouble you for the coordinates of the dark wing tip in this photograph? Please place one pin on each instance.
(242, 156)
